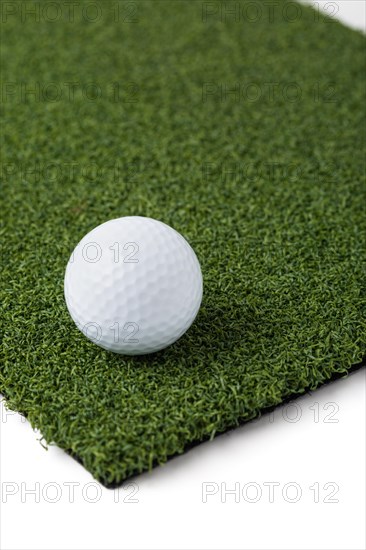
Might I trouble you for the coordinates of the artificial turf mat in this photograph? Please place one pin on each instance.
(268, 187)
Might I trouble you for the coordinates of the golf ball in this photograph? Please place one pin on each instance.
(133, 285)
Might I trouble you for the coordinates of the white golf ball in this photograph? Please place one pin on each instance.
(133, 285)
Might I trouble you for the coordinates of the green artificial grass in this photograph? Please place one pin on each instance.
(268, 186)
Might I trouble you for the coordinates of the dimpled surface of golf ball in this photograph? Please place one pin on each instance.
(133, 285)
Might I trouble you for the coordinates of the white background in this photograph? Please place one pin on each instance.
(312, 452)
